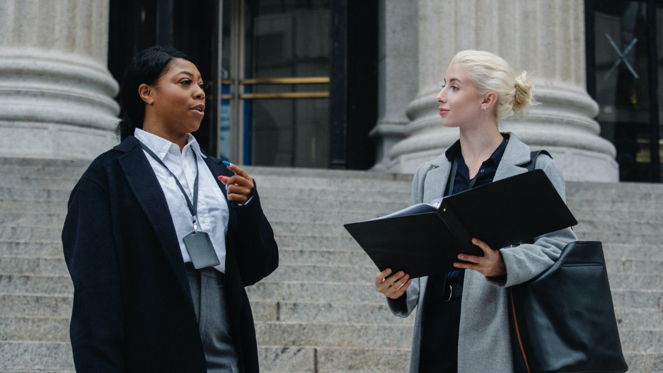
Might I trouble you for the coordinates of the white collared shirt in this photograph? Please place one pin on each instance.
(213, 213)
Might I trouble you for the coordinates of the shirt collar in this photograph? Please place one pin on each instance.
(161, 146)
(453, 152)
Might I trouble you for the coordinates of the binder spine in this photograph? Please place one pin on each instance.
(455, 226)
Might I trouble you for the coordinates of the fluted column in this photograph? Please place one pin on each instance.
(56, 94)
(397, 70)
(543, 37)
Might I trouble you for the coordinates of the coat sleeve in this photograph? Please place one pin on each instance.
(524, 262)
(97, 326)
(257, 253)
(404, 305)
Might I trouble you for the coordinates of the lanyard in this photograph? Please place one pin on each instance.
(193, 207)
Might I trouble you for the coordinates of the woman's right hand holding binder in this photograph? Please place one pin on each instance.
(393, 286)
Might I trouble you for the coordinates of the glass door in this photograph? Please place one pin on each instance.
(623, 72)
(274, 60)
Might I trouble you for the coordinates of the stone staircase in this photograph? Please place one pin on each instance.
(319, 311)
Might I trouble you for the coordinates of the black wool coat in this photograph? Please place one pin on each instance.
(132, 308)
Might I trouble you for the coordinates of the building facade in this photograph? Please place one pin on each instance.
(341, 84)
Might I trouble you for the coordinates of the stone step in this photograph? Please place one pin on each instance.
(42, 167)
(616, 191)
(295, 215)
(51, 357)
(294, 291)
(618, 237)
(364, 360)
(345, 241)
(28, 356)
(30, 305)
(360, 270)
(43, 329)
(608, 205)
(647, 341)
(301, 334)
(587, 226)
(359, 191)
(45, 207)
(333, 189)
(640, 319)
(379, 313)
(306, 252)
(31, 219)
(635, 281)
(327, 312)
(279, 209)
(59, 307)
(291, 222)
(334, 335)
(55, 201)
(39, 182)
(35, 284)
(332, 222)
(330, 235)
(41, 249)
(344, 292)
(54, 306)
(639, 362)
(612, 252)
(27, 266)
(34, 194)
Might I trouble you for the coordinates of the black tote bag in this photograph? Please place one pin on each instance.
(564, 319)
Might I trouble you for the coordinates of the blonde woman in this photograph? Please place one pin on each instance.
(462, 322)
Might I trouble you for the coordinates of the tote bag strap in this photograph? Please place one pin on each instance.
(533, 156)
(520, 357)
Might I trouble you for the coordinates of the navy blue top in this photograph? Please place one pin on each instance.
(486, 173)
(463, 182)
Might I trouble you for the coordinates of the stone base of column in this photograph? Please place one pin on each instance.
(387, 135)
(53, 141)
(55, 105)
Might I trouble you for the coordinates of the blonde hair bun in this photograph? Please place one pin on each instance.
(522, 97)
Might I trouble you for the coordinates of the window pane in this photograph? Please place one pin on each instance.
(621, 58)
(288, 39)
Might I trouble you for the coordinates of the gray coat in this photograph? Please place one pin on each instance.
(484, 339)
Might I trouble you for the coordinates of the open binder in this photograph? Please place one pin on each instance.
(426, 238)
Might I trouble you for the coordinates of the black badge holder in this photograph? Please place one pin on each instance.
(200, 249)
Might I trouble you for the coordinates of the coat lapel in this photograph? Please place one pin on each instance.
(516, 154)
(436, 179)
(148, 192)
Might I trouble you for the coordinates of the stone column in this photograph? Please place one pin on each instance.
(56, 94)
(397, 73)
(543, 37)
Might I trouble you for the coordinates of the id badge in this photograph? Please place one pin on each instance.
(200, 249)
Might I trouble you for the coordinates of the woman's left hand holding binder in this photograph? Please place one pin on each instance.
(490, 264)
(394, 286)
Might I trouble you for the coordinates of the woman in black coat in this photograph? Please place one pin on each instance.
(139, 289)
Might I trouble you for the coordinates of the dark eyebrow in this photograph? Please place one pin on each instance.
(185, 72)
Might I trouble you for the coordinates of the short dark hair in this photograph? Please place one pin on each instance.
(145, 67)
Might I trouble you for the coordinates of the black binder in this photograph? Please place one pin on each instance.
(426, 238)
